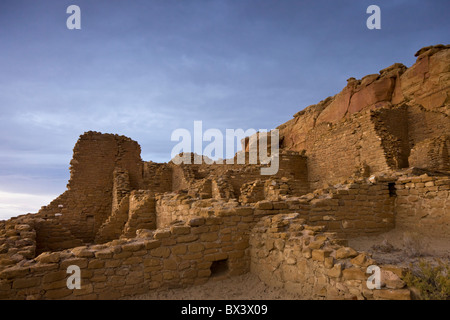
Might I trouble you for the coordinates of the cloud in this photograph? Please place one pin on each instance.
(14, 204)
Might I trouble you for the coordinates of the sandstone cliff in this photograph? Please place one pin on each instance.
(425, 84)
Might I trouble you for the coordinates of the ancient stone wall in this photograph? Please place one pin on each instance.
(113, 227)
(183, 254)
(286, 253)
(142, 213)
(424, 124)
(294, 166)
(372, 141)
(433, 153)
(252, 192)
(336, 152)
(87, 203)
(182, 207)
(97, 207)
(189, 177)
(17, 241)
(52, 235)
(272, 189)
(423, 205)
(158, 177)
(121, 187)
(180, 179)
(350, 210)
(276, 189)
(219, 231)
(391, 125)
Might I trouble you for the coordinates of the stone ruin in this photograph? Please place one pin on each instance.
(373, 158)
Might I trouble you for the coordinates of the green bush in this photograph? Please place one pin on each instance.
(431, 279)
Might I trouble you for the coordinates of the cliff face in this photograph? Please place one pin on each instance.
(425, 84)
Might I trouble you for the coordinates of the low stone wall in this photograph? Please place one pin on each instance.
(182, 207)
(17, 242)
(52, 235)
(352, 209)
(423, 205)
(251, 192)
(184, 254)
(299, 258)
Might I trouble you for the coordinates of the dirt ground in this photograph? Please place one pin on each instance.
(402, 247)
(244, 287)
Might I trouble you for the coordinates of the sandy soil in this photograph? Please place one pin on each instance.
(402, 247)
(244, 287)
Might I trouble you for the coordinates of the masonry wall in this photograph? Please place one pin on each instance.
(423, 205)
(391, 125)
(17, 241)
(179, 179)
(188, 177)
(113, 227)
(158, 177)
(183, 253)
(424, 124)
(350, 210)
(295, 167)
(371, 141)
(407, 127)
(87, 203)
(182, 207)
(141, 214)
(339, 151)
(354, 210)
(106, 169)
(432, 153)
(238, 178)
(51, 235)
(178, 256)
(286, 253)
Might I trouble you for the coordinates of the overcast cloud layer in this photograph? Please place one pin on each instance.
(145, 68)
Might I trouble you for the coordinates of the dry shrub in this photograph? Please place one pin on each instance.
(431, 279)
(414, 244)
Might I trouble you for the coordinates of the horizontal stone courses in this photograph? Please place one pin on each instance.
(136, 261)
(340, 271)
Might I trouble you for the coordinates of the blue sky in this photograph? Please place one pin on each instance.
(146, 68)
